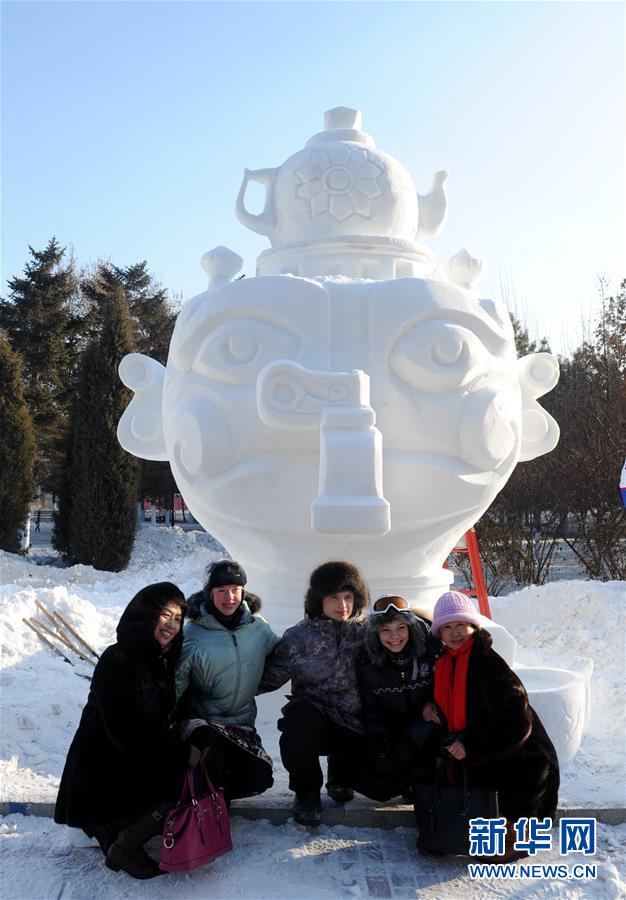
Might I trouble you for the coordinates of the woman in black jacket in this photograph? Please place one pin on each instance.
(490, 723)
(126, 762)
(395, 675)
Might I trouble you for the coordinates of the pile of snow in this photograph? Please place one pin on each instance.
(560, 625)
(169, 546)
(41, 696)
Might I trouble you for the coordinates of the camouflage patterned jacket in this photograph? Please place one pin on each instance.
(318, 655)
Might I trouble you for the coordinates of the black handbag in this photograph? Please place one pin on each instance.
(443, 812)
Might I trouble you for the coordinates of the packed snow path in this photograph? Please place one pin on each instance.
(286, 862)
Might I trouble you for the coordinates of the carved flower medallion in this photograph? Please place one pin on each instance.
(340, 181)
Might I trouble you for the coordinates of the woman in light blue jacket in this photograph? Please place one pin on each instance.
(222, 661)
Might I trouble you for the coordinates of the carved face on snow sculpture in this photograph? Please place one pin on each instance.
(313, 418)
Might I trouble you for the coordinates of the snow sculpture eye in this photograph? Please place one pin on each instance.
(236, 351)
(437, 356)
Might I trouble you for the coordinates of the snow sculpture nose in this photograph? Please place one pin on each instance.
(487, 428)
(350, 500)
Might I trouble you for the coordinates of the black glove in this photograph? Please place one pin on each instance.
(425, 735)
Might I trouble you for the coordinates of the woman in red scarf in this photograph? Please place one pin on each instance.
(491, 725)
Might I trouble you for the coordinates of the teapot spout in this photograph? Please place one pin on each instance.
(433, 207)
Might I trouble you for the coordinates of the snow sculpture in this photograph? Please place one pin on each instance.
(342, 403)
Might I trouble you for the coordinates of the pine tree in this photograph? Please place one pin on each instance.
(17, 449)
(153, 316)
(63, 513)
(98, 514)
(521, 509)
(41, 321)
(593, 425)
(570, 494)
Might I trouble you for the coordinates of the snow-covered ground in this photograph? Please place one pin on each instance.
(42, 698)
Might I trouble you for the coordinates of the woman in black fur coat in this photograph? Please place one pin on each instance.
(126, 762)
(395, 676)
(490, 722)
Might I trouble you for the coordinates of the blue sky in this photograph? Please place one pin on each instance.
(126, 127)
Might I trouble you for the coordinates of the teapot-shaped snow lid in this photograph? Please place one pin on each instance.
(340, 207)
(342, 124)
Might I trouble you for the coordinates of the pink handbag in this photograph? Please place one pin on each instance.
(197, 829)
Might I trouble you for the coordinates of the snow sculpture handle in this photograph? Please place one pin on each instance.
(264, 222)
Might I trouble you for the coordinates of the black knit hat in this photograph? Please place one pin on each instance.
(330, 578)
(224, 571)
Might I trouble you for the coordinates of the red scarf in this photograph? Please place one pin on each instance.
(451, 685)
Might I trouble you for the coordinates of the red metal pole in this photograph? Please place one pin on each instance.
(480, 585)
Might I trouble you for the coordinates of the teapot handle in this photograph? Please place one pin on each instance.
(265, 222)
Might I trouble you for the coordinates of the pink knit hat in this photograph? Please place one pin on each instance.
(454, 607)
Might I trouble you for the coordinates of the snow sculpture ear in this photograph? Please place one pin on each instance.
(140, 430)
(538, 373)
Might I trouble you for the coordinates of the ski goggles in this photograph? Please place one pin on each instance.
(390, 604)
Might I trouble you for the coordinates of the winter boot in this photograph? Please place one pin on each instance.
(105, 835)
(127, 853)
(307, 809)
(340, 793)
(337, 779)
(510, 853)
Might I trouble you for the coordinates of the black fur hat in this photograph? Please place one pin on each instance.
(224, 571)
(331, 577)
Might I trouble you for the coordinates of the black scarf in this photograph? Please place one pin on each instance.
(230, 622)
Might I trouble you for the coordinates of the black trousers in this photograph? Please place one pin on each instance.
(240, 773)
(307, 734)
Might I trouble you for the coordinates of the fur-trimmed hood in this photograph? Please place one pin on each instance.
(419, 635)
(135, 629)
